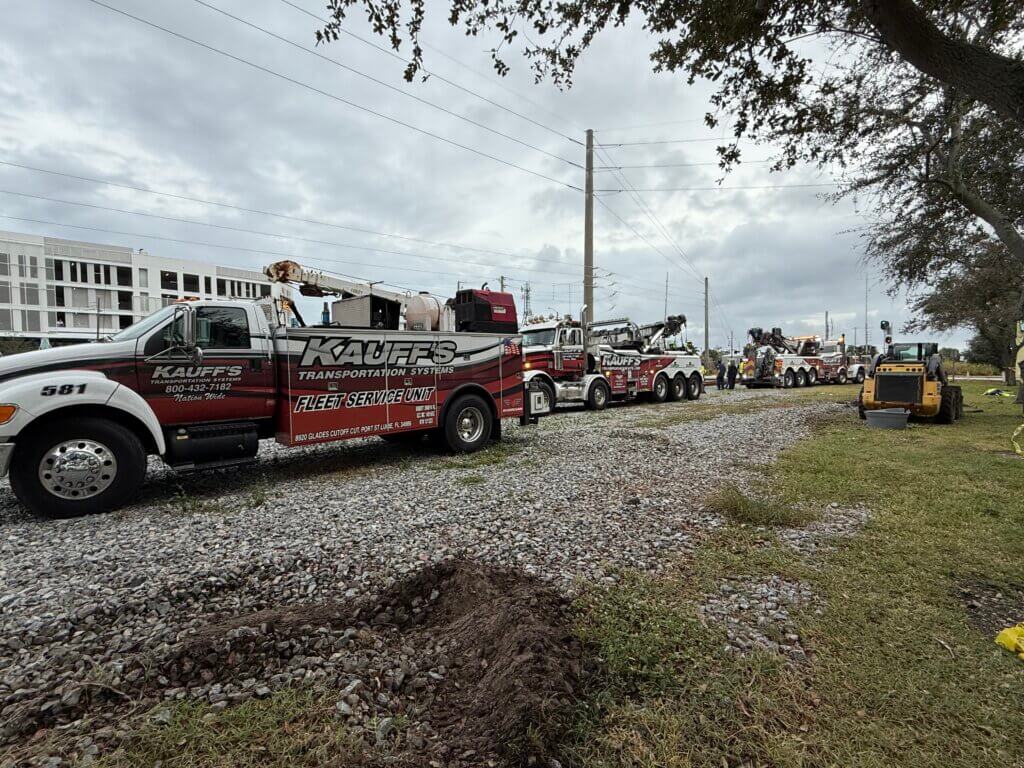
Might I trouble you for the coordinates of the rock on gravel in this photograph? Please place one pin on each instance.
(577, 497)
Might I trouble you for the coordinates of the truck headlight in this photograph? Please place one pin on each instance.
(7, 412)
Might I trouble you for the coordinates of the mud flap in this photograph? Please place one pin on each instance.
(535, 404)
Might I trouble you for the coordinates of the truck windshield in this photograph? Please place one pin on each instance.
(144, 325)
(545, 337)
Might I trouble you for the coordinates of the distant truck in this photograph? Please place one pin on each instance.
(776, 360)
(200, 383)
(615, 360)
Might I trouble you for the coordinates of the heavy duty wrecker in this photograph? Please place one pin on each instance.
(775, 360)
(199, 383)
(594, 363)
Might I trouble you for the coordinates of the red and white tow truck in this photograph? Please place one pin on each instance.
(200, 383)
(614, 359)
(775, 360)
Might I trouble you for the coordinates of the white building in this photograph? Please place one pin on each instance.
(68, 291)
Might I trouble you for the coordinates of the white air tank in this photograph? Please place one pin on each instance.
(423, 313)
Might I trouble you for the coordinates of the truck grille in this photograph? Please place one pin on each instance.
(898, 387)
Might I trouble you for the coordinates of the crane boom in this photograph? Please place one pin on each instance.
(311, 282)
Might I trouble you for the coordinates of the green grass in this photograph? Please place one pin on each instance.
(898, 676)
(471, 480)
(496, 453)
(730, 502)
(290, 728)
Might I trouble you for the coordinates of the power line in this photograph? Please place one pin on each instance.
(262, 251)
(669, 165)
(332, 96)
(650, 125)
(257, 211)
(452, 83)
(635, 232)
(279, 235)
(724, 189)
(380, 82)
(651, 215)
(666, 141)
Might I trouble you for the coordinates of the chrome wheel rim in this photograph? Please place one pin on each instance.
(599, 396)
(679, 387)
(470, 424)
(77, 469)
(659, 387)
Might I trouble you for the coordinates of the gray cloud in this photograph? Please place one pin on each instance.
(123, 102)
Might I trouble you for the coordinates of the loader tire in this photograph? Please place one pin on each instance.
(947, 406)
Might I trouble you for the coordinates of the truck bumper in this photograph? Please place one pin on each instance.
(6, 451)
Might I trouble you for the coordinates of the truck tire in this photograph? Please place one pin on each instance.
(677, 391)
(841, 377)
(79, 466)
(812, 376)
(467, 425)
(695, 388)
(860, 376)
(659, 393)
(597, 397)
(789, 379)
(801, 378)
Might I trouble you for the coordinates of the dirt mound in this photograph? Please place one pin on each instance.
(458, 664)
(515, 662)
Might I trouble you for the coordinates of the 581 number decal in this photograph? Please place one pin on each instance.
(63, 389)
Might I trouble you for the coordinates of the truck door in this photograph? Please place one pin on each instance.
(234, 381)
(573, 361)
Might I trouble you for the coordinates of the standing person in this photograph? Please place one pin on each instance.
(733, 370)
(720, 377)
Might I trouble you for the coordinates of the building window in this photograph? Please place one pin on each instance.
(58, 296)
(123, 321)
(143, 278)
(5, 292)
(168, 280)
(5, 264)
(49, 268)
(80, 298)
(30, 295)
(58, 269)
(83, 271)
(58, 320)
(5, 320)
(74, 272)
(222, 287)
(29, 320)
(264, 290)
(190, 283)
(80, 320)
(97, 274)
(207, 285)
(21, 265)
(124, 276)
(124, 300)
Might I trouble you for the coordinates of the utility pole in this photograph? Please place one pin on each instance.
(826, 325)
(588, 231)
(866, 336)
(526, 299)
(665, 316)
(501, 283)
(707, 331)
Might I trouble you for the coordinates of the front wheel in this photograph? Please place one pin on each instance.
(597, 398)
(79, 466)
(467, 426)
(860, 376)
(841, 378)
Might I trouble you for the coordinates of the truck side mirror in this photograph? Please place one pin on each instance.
(189, 343)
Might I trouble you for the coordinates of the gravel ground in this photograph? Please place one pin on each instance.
(579, 497)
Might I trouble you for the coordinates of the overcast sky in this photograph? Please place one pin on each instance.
(89, 92)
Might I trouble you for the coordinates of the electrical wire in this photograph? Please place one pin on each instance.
(257, 211)
(383, 84)
(282, 236)
(395, 55)
(723, 189)
(333, 96)
(669, 165)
